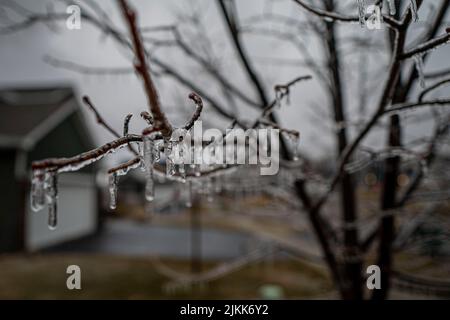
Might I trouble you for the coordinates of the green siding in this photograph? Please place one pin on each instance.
(11, 204)
(64, 141)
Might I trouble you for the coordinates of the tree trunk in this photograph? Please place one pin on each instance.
(352, 266)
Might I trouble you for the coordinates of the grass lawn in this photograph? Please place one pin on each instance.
(110, 277)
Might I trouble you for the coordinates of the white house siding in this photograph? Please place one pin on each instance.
(77, 216)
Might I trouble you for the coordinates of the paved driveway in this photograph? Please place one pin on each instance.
(123, 237)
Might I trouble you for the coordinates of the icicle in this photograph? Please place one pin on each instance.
(414, 15)
(419, 67)
(142, 165)
(113, 181)
(181, 167)
(294, 142)
(295, 146)
(37, 190)
(278, 95)
(149, 158)
(51, 193)
(193, 160)
(149, 186)
(158, 145)
(362, 12)
(197, 170)
(170, 166)
(392, 8)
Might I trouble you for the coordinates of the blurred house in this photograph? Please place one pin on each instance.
(38, 123)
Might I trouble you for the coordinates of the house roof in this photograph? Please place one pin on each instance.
(28, 114)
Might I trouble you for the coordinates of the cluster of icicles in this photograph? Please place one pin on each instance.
(44, 182)
(44, 191)
(44, 187)
(151, 154)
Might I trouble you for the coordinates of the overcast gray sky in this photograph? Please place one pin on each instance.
(21, 63)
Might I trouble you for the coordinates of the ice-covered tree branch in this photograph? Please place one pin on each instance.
(427, 46)
(84, 159)
(433, 87)
(414, 105)
(333, 16)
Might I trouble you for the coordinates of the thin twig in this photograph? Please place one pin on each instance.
(412, 105)
(99, 118)
(126, 123)
(427, 46)
(433, 87)
(198, 110)
(125, 165)
(85, 158)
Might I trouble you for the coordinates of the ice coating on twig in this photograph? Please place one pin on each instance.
(181, 149)
(368, 157)
(362, 12)
(295, 146)
(37, 190)
(293, 140)
(79, 165)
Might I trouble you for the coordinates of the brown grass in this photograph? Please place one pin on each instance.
(109, 277)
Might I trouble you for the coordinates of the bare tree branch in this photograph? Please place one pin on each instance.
(99, 118)
(433, 87)
(142, 69)
(414, 105)
(427, 46)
